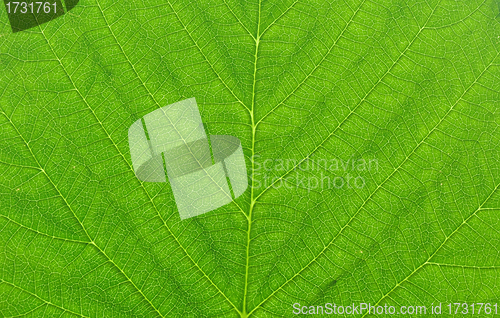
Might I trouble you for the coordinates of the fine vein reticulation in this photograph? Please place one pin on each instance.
(413, 87)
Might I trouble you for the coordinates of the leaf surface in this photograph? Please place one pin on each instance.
(312, 89)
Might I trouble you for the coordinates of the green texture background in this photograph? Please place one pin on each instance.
(413, 84)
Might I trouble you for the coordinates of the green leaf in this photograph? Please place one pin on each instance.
(411, 87)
